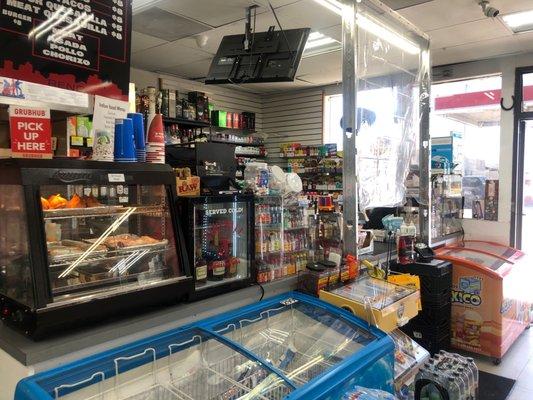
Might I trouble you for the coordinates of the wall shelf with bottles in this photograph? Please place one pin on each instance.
(186, 122)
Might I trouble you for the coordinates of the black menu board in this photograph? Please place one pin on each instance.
(79, 45)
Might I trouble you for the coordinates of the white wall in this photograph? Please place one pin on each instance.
(498, 231)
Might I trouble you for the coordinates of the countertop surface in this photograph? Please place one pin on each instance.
(89, 340)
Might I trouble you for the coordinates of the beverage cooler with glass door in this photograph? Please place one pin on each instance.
(220, 242)
(83, 240)
(490, 296)
(291, 347)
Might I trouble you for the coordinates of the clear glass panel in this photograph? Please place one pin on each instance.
(104, 239)
(389, 71)
(195, 367)
(15, 271)
(381, 294)
(221, 243)
(527, 92)
(280, 237)
(300, 339)
(499, 250)
(481, 259)
(465, 136)
(527, 205)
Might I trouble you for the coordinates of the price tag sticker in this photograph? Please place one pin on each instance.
(116, 178)
(76, 141)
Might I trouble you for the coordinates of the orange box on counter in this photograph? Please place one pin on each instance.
(490, 300)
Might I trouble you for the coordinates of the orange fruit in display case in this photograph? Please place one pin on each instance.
(74, 202)
(45, 204)
(56, 201)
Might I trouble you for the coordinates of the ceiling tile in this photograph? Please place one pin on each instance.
(516, 44)
(140, 41)
(167, 55)
(471, 32)
(194, 70)
(213, 13)
(165, 25)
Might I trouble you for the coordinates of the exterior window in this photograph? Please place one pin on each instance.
(466, 117)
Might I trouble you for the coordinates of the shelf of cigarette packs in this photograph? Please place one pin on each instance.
(447, 205)
(281, 237)
(318, 174)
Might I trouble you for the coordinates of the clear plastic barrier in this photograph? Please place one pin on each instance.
(391, 69)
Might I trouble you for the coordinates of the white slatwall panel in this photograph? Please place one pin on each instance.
(292, 117)
(222, 97)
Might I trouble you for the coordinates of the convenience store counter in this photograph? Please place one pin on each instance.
(21, 356)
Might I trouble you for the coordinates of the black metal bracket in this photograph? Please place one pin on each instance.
(512, 104)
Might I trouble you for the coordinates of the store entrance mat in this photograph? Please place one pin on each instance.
(494, 387)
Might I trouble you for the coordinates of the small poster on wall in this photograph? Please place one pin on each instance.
(31, 132)
(491, 200)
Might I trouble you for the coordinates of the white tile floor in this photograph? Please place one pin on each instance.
(516, 364)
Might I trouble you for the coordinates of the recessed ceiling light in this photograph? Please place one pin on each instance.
(520, 21)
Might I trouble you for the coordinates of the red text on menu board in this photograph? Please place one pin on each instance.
(31, 132)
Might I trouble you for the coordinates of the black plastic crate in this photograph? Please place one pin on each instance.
(433, 269)
(435, 286)
(435, 344)
(432, 338)
(430, 300)
(435, 316)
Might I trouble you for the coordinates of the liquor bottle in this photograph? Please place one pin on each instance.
(200, 268)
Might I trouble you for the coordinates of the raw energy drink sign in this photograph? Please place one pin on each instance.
(81, 45)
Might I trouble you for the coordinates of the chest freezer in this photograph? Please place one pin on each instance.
(490, 299)
(381, 303)
(289, 347)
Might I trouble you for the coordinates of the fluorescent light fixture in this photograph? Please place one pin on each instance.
(317, 39)
(374, 28)
(519, 22)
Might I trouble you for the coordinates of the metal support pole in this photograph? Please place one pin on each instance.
(349, 94)
(425, 148)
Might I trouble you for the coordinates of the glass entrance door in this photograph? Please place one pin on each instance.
(527, 189)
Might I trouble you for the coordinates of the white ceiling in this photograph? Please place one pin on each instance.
(457, 28)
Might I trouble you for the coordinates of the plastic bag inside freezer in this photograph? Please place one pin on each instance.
(300, 340)
(195, 366)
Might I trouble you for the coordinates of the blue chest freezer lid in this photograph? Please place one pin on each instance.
(268, 350)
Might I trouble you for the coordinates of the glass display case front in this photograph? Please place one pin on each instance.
(281, 237)
(107, 238)
(221, 240)
(300, 340)
(82, 240)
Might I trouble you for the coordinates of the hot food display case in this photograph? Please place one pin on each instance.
(220, 242)
(83, 240)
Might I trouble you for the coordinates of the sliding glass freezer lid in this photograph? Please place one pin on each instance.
(194, 365)
(299, 339)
